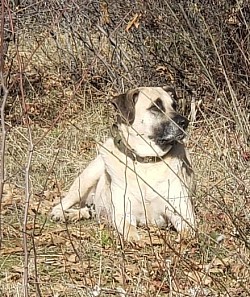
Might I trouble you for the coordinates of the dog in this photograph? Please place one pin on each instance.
(142, 175)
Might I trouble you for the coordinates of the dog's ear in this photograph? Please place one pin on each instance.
(171, 92)
(125, 105)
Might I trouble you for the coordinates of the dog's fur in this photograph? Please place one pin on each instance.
(143, 174)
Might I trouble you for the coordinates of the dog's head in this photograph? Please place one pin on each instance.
(148, 120)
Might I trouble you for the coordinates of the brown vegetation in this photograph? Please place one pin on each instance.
(61, 63)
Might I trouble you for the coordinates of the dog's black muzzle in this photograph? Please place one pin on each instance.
(181, 121)
(171, 131)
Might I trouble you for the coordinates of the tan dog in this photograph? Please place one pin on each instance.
(142, 175)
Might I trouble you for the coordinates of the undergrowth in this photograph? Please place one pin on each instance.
(64, 61)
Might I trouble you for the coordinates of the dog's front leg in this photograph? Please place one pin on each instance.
(182, 215)
(79, 191)
(124, 220)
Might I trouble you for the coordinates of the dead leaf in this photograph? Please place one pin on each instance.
(246, 156)
(57, 240)
(8, 251)
(59, 288)
(80, 268)
(216, 270)
(72, 258)
(105, 13)
(118, 278)
(79, 234)
(199, 277)
(240, 270)
(31, 226)
(150, 241)
(8, 194)
(133, 22)
(17, 269)
(51, 238)
(12, 277)
(222, 262)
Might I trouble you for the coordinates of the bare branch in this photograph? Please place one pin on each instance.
(27, 181)
(3, 142)
(4, 95)
(2, 37)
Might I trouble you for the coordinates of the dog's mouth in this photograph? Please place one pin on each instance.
(165, 141)
(170, 139)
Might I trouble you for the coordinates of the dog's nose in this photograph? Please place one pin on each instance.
(181, 121)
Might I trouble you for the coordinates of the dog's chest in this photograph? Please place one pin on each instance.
(147, 180)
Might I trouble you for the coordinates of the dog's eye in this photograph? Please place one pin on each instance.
(154, 109)
(157, 106)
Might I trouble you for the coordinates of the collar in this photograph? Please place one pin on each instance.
(123, 147)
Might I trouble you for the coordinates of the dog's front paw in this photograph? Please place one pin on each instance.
(71, 214)
(58, 214)
(132, 234)
(74, 215)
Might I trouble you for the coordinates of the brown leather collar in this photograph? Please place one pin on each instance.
(129, 152)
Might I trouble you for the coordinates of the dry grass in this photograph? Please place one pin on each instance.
(67, 83)
(79, 259)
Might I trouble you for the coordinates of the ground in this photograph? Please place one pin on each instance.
(89, 259)
(63, 63)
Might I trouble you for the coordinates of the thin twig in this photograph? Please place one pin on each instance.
(25, 219)
(2, 37)
(3, 130)
(38, 290)
(4, 91)
(27, 181)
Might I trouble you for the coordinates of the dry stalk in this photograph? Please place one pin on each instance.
(26, 212)
(27, 181)
(4, 92)
(3, 130)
